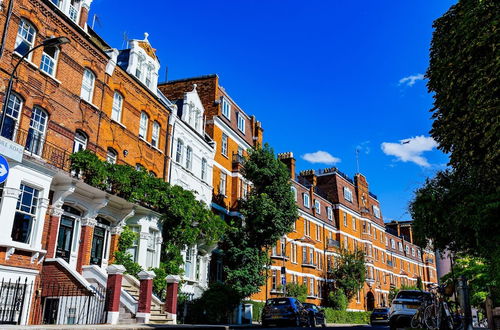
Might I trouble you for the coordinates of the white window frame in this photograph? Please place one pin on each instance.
(317, 206)
(241, 123)
(38, 128)
(376, 211)
(204, 166)
(306, 200)
(26, 33)
(30, 210)
(347, 194)
(400, 246)
(329, 212)
(189, 157)
(155, 134)
(88, 83)
(226, 108)
(111, 156)
(117, 109)
(48, 64)
(143, 125)
(80, 142)
(345, 219)
(222, 183)
(13, 112)
(294, 192)
(224, 144)
(179, 151)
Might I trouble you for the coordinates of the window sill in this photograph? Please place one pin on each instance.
(224, 155)
(89, 103)
(28, 60)
(118, 123)
(50, 76)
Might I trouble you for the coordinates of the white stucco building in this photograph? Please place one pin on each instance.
(192, 152)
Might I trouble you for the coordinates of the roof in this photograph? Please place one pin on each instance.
(208, 76)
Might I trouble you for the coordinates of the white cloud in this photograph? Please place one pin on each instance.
(411, 80)
(410, 150)
(322, 157)
(364, 147)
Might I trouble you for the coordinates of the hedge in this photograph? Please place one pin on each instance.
(346, 317)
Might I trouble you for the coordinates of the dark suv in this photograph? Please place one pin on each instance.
(279, 311)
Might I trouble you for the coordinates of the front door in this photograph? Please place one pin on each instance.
(97, 246)
(65, 238)
(50, 310)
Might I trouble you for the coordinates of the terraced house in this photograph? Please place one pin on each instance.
(338, 211)
(73, 91)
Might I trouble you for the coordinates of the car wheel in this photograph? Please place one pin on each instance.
(392, 326)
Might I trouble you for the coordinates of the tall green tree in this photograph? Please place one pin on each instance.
(349, 272)
(267, 214)
(459, 208)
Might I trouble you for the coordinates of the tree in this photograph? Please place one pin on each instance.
(394, 291)
(349, 272)
(296, 290)
(458, 209)
(337, 300)
(267, 214)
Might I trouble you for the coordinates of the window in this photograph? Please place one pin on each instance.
(346, 243)
(25, 38)
(305, 197)
(304, 255)
(189, 157)
(149, 76)
(245, 190)
(318, 233)
(155, 135)
(354, 223)
(241, 123)
(49, 60)
(226, 108)
(307, 227)
(133, 250)
(400, 245)
(345, 219)
(418, 253)
(80, 141)
(178, 154)
(203, 169)
(294, 192)
(143, 125)
(11, 120)
(87, 85)
(347, 194)
(375, 233)
(329, 212)
(294, 252)
(222, 184)
(283, 246)
(26, 210)
(273, 285)
(116, 113)
(311, 286)
(140, 64)
(36, 133)
(111, 156)
(73, 12)
(224, 144)
(317, 206)
(393, 245)
(376, 211)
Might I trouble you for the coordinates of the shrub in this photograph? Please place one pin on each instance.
(257, 309)
(346, 317)
(337, 300)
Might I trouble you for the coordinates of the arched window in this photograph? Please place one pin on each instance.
(111, 156)
(36, 133)
(189, 157)
(11, 121)
(88, 81)
(25, 38)
(203, 169)
(116, 112)
(49, 60)
(155, 134)
(143, 125)
(178, 155)
(81, 140)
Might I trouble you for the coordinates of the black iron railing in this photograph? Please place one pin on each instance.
(13, 296)
(333, 243)
(239, 159)
(36, 145)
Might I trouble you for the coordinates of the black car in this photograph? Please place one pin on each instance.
(379, 316)
(316, 315)
(279, 311)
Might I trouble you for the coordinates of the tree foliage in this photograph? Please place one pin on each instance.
(267, 214)
(349, 272)
(337, 300)
(296, 290)
(458, 209)
(185, 220)
(394, 291)
(122, 256)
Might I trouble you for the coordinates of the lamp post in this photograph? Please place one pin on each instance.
(50, 42)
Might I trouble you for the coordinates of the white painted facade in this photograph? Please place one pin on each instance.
(191, 168)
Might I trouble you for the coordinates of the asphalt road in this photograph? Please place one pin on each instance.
(337, 327)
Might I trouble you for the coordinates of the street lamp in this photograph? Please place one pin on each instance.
(50, 42)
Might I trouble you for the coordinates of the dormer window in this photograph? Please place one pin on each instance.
(241, 123)
(347, 194)
(226, 109)
(317, 207)
(149, 76)
(376, 212)
(306, 200)
(138, 69)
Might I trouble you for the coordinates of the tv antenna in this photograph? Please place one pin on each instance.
(125, 39)
(357, 159)
(96, 19)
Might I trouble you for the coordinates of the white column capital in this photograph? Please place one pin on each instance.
(55, 211)
(9, 192)
(115, 269)
(88, 221)
(146, 275)
(173, 279)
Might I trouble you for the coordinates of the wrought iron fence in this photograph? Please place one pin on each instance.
(13, 297)
(70, 304)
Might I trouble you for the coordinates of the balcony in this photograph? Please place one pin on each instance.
(238, 161)
(280, 256)
(332, 243)
(309, 264)
(37, 147)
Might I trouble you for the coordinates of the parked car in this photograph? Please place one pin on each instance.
(404, 306)
(316, 315)
(379, 316)
(280, 311)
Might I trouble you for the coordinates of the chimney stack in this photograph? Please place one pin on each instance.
(289, 161)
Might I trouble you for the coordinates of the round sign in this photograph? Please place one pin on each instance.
(4, 169)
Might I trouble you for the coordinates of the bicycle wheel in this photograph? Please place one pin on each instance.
(415, 320)
(447, 318)
(430, 317)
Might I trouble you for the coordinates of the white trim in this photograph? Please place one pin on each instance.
(113, 317)
(73, 272)
(231, 133)
(19, 270)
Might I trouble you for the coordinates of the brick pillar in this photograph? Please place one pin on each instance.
(86, 236)
(84, 16)
(145, 294)
(113, 292)
(52, 230)
(171, 301)
(113, 244)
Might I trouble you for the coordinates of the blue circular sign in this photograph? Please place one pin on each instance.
(4, 169)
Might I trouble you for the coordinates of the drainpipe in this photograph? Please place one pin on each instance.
(6, 27)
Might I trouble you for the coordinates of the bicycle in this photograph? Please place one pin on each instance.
(437, 316)
(418, 320)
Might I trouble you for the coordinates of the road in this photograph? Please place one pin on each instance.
(336, 327)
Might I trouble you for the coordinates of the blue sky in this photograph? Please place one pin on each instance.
(321, 76)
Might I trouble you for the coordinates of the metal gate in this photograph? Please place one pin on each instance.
(13, 295)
